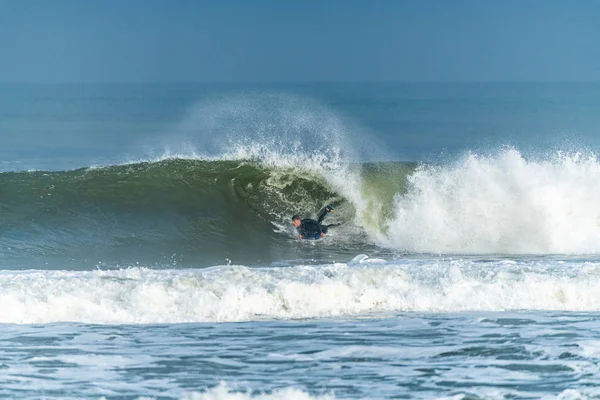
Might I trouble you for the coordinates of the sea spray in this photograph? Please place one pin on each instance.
(284, 131)
(503, 203)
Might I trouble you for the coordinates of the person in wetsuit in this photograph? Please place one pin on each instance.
(309, 228)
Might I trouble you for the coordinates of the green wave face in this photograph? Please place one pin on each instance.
(188, 212)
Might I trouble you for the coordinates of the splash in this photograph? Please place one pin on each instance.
(501, 204)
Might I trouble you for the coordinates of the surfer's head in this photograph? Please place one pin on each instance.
(296, 220)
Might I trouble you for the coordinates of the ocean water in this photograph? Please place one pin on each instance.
(146, 248)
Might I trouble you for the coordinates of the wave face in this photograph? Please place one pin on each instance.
(503, 204)
(190, 212)
(362, 286)
(175, 211)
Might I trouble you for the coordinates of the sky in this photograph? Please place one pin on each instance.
(299, 41)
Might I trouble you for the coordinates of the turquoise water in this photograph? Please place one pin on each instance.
(146, 248)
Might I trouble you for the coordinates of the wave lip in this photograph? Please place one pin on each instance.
(236, 293)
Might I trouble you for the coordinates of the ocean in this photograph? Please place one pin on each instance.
(147, 250)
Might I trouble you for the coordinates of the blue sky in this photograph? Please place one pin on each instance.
(298, 41)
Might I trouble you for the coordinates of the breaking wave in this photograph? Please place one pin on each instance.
(361, 287)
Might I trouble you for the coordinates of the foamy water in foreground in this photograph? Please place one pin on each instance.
(418, 327)
(482, 355)
(362, 286)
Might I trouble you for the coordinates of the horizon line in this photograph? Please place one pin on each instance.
(303, 82)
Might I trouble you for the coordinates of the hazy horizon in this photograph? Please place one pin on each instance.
(296, 83)
(156, 41)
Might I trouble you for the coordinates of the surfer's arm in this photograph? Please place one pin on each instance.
(323, 213)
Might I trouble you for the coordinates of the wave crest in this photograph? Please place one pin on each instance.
(501, 204)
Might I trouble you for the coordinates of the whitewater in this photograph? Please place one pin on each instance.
(161, 262)
(502, 203)
(234, 293)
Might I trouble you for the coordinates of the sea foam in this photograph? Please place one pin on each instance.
(502, 203)
(237, 293)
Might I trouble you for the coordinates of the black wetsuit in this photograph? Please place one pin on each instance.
(311, 229)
